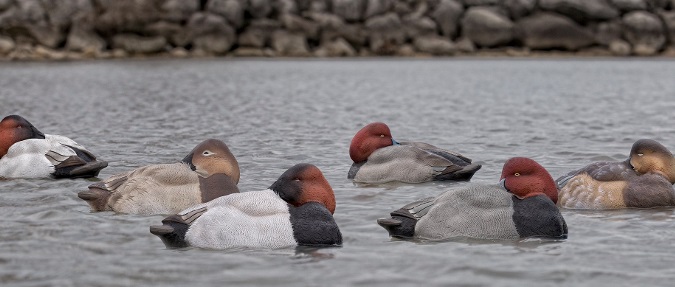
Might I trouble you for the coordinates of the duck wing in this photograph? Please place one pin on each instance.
(71, 160)
(447, 165)
(601, 171)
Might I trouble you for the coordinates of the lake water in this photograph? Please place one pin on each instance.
(276, 113)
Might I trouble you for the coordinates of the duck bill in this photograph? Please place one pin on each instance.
(394, 142)
(502, 183)
(37, 134)
(188, 160)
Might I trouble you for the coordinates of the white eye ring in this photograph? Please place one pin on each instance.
(381, 136)
(517, 174)
(207, 153)
(640, 154)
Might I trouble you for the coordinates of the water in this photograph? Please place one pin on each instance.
(276, 113)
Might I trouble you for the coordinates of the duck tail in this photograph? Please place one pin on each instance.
(173, 228)
(465, 173)
(81, 165)
(97, 196)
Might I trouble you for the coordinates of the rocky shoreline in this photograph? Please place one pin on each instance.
(105, 29)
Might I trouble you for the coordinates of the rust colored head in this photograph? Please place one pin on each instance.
(212, 156)
(14, 129)
(525, 178)
(304, 183)
(368, 139)
(650, 156)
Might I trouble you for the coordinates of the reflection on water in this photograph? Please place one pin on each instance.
(274, 114)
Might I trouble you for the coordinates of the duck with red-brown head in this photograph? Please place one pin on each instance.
(521, 206)
(25, 152)
(644, 180)
(378, 158)
(297, 209)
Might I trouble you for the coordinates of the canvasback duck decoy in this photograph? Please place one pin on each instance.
(25, 152)
(521, 206)
(297, 209)
(207, 172)
(378, 158)
(644, 180)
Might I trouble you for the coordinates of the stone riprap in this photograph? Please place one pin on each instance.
(80, 29)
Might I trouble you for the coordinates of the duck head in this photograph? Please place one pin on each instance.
(211, 157)
(368, 139)
(525, 178)
(304, 183)
(14, 129)
(650, 156)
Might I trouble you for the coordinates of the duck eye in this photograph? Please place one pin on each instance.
(207, 153)
(517, 174)
(381, 136)
(640, 154)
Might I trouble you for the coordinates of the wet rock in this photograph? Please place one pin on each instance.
(519, 8)
(211, 26)
(231, 10)
(551, 31)
(177, 10)
(581, 10)
(258, 33)
(435, 45)
(620, 47)
(336, 48)
(385, 33)
(669, 20)
(629, 5)
(260, 8)
(6, 45)
(644, 31)
(82, 38)
(138, 44)
(289, 44)
(447, 14)
(486, 28)
(301, 25)
(378, 7)
(349, 10)
(606, 32)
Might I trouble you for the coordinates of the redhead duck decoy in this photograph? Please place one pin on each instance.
(521, 206)
(25, 152)
(297, 209)
(644, 180)
(378, 158)
(207, 172)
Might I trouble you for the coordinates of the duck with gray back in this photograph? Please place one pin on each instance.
(207, 172)
(25, 152)
(378, 158)
(644, 180)
(522, 205)
(296, 210)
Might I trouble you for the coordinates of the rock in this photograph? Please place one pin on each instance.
(606, 32)
(434, 45)
(178, 52)
(644, 31)
(259, 8)
(550, 31)
(46, 35)
(321, 6)
(349, 10)
(210, 25)
(405, 50)
(487, 28)
(125, 16)
(619, 47)
(258, 33)
(5, 4)
(213, 43)
(286, 7)
(84, 39)
(294, 23)
(232, 10)
(248, 52)
(30, 12)
(337, 48)
(385, 33)
(658, 4)
(480, 2)
(377, 7)
(581, 10)
(6, 45)
(325, 20)
(421, 26)
(669, 20)
(177, 10)
(138, 44)
(447, 14)
(465, 45)
(519, 8)
(60, 14)
(289, 44)
(47, 53)
(162, 28)
(629, 5)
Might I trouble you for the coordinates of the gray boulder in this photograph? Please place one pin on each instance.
(519, 8)
(5, 4)
(551, 31)
(607, 32)
(289, 44)
(629, 5)
(6, 45)
(258, 33)
(349, 10)
(295, 23)
(177, 10)
(378, 7)
(285, 7)
(480, 2)
(447, 14)
(210, 25)
(669, 20)
(486, 28)
(84, 39)
(619, 47)
(581, 10)
(434, 45)
(644, 31)
(125, 16)
(213, 43)
(658, 4)
(336, 48)
(385, 33)
(232, 10)
(138, 44)
(419, 26)
(259, 8)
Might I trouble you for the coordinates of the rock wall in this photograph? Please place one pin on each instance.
(73, 29)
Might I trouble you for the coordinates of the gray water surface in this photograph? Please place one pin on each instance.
(276, 113)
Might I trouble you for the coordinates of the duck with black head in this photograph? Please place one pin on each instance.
(25, 152)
